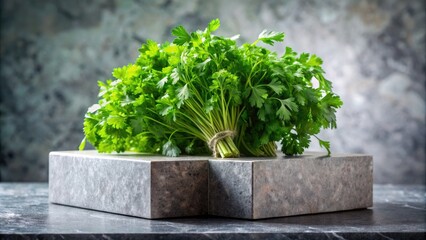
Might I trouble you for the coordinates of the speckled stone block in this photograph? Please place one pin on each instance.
(138, 185)
(256, 188)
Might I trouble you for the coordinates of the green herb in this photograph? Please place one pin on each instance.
(205, 93)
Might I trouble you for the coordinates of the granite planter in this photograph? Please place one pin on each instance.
(250, 188)
(256, 188)
(138, 185)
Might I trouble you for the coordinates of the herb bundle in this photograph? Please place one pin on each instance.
(205, 93)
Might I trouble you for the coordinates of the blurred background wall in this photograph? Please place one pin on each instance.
(54, 51)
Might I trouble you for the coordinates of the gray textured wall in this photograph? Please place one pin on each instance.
(54, 51)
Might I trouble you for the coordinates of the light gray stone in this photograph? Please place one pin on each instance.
(138, 185)
(256, 188)
(250, 188)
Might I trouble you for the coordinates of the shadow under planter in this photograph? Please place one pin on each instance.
(252, 188)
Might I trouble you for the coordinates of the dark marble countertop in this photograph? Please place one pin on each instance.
(399, 212)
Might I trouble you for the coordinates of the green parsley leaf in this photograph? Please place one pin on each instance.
(170, 149)
(258, 96)
(276, 87)
(325, 145)
(183, 92)
(117, 122)
(182, 36)
(213, 25)
(287, 105)
(271, 37)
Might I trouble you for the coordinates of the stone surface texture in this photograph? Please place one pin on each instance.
(398, 212)
(250, 188)
(179, 188)
(286, 186)
(53, 52)
(148, 186)
(231, 188)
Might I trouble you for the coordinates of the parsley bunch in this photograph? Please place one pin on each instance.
(205, 93)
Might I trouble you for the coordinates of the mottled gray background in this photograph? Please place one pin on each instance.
(54, 51)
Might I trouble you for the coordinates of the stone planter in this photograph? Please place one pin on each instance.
(251, 188)
(138, 185)
(263, 188)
